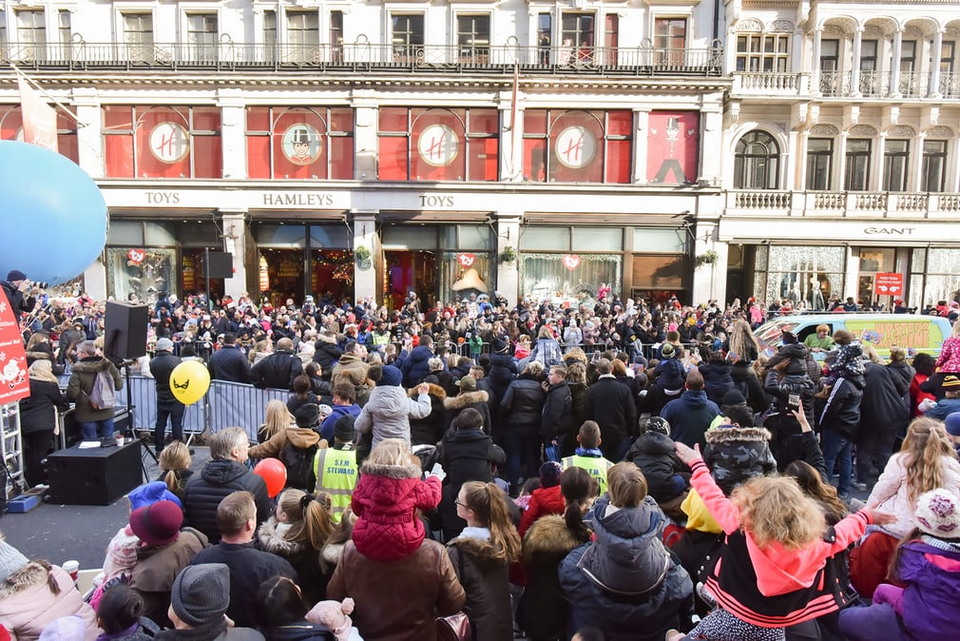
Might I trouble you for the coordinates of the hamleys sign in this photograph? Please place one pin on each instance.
(575, 147)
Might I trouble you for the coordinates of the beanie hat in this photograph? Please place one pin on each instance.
(952, 424)
(344, 429)
(467, 384)
(157, 524)
(435, 364)
(201, 593)
(667, 351)
(150, 493)
(308, 415)
(68, 628)
(498, 345)
(10, 560)
(164, 345)
(734, 397)
(391, 376)
(655, 424)
(950, 381)
(938, 514)
(15, 274)
(550, 474)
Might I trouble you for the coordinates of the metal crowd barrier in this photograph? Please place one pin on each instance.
(226, 404)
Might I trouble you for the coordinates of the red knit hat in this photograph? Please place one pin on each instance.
(157, 524)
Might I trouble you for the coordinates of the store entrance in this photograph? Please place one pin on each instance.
(408, 271)
(281, 275)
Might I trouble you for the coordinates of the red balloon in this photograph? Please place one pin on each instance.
(274, 473)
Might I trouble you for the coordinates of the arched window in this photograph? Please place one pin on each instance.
(757, 162)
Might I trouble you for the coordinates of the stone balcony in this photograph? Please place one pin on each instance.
(852, 204)
(843, 84)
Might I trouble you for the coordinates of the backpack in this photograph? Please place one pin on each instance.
(102, 395)
(299, 464)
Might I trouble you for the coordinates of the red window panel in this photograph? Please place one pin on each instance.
(117, 118)
(438, 146)
(618, 161)
(393, 119)
(484, 159)
(258, 119)
(206, 119)
(341, 158)
(673, 147)
(162, 151)
(312, 162)
(619, 123)
(207, 157)
(341, 120)
(577, 145)
(258, 156)
(535, 159)
(484, 121)
(118, 152)
(393, 158)
(10, 122)
(535, 121)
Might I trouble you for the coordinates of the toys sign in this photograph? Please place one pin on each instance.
(888, 284)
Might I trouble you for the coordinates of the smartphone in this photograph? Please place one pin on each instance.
(793, 402)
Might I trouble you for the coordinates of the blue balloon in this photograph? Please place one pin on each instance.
(53, 219)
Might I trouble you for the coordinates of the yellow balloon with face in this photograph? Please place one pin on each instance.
(189, 381)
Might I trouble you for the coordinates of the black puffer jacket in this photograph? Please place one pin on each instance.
(277, 370)
(738, 454)
(326, 353)
(747, 383)
(429, 430)
(466, 455)
(523, 403)
(218, 479)
(556, 417)
(654, 454)
(503, 369)
(162, 366)
(36, 411)
(299, 631)
(485, 579)
(842, 410)
(884, 409)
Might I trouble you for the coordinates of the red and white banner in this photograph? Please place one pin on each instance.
(888, 284)
(39, 118)
(14, 383)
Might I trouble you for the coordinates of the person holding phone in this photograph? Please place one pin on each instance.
(790, 387)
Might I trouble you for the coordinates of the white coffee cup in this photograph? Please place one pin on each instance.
(72, 568)
(119, 439)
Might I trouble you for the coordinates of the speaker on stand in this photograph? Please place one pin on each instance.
(125, 340)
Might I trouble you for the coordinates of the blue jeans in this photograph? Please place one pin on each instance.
(835, 444)
(95, 430)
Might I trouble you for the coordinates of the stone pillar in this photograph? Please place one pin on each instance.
(642, 117)
(895, 63)
(508, 273)
(709, 279)
(935, 64)
(86, 100)
(855, 70)
(839, 167)
(365, 274)
(511, 142)
(711, 141)
(234, 226)
(233, 144)
(815, 63)
(851, 284)
(365, 134)
(876, 173)
(915, 178)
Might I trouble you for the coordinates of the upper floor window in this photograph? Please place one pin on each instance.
(577, 38)
(895, 153)
(285, 142)
(947, 49)
(670, 40)
(857, 164)
(577, 146)
(756, 163)
(473, 37)
(202, 36)
(819, 163)
(439, 144)
(138, 29)
(64, 27)
(934, 165)
(407, 36)
(31, 27)
(763, 52)
(269, 28)
(162, 142)
(303, 28)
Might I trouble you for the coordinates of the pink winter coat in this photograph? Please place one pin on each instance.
(386, 501)
(28, 604)
(949, 360)
(890, 494)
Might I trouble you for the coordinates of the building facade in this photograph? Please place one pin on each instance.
(841, 134)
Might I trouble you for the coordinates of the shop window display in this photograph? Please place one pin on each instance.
(804, 276)
(315, 143)
(942, 280)
(568, 277)
(577, 146)
(11, 128)
(141, 272)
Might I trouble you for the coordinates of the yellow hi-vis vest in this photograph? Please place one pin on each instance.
(596, 466)
(336, 472)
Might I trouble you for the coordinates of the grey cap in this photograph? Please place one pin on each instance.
(201, 593)
(11, 560)
(164, 345)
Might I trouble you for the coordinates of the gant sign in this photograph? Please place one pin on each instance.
(889, 231)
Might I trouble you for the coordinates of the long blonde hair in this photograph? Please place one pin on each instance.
(42, 370)
(925, 445)
(773, 509)
(392, 452)
(741, 339)
(310, 520)
(174, 458)
(276, 418)
(489, 504)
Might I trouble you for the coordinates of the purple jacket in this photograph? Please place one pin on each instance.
(932, 577)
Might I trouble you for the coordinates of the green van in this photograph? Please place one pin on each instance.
(915, 333)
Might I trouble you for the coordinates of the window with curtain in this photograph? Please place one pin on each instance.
(756, 163)
(857, 165)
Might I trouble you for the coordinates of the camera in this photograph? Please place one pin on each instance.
(39, 284)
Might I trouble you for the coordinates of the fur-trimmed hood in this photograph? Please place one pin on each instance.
(332, 552)
(91, 365)
(410, 471)
(330, 339)
(39, 356)
(28, 576)
(274, 542)
(550, 537)
(466, 399)
(435, 391)
(730, 434)
(480, 550)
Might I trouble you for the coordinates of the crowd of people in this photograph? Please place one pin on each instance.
(604, 470)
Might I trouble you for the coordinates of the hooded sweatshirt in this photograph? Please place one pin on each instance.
(690, 416)
(388, 413)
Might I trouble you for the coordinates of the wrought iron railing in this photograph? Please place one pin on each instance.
(364, 56)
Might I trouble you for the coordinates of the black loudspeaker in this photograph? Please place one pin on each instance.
(94, 476)
(126, 330)
(218, 265)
